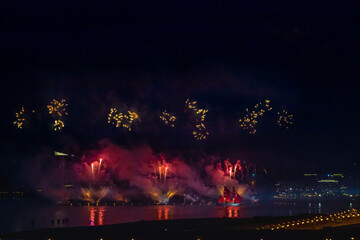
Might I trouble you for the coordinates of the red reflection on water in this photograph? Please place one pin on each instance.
(96, 216)
(163, 213)
(166, 213)
(232, 212)
(101, 216)
(92, 216)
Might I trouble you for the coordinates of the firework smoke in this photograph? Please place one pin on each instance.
(113, 172)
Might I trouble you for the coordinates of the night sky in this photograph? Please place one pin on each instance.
(153, 55)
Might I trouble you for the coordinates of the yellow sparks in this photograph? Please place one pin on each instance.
(190, 104)
(120, 119)
(58, 111)
(20, 118)
(199, 132)
(58, 125)
(250, 120)
(170, 194)
(285, 119)
(220, 189)
(200, 113)
(167, 118)
(57, 108)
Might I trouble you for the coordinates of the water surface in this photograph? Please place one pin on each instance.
(19, 216)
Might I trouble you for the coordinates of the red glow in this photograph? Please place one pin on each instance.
(232, 212)
(101, 216)
(230, 197)
(96, 216)
(163, 213)
(92, 216)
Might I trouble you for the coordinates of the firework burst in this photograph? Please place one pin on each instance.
(58, 125)
(285, 119)
(122, 120)
(58, 108)
(167, 118)
(199, 113)
(191, 105)
(250, 120)
(20, 118)
(199, 132)
(161, 169)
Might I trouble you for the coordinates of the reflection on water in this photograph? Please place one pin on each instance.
(163, 213)
(92, 216)
(101, 216)
(233, 212)
(96, 215)
(17, 216)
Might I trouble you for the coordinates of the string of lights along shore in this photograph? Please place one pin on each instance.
(249, 122)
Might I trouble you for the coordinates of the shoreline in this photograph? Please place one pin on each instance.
(203, 228)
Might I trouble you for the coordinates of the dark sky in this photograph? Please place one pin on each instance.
(153, 55)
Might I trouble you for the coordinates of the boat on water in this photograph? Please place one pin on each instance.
(229, 198)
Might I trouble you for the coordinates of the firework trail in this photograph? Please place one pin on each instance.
(92, 195)
(237, 166)
(100, 161)
(240, 171)
(94, 189)
(250, 120)
(161, 168)
(96, 169)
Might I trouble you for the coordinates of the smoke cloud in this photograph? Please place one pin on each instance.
(126, 174)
